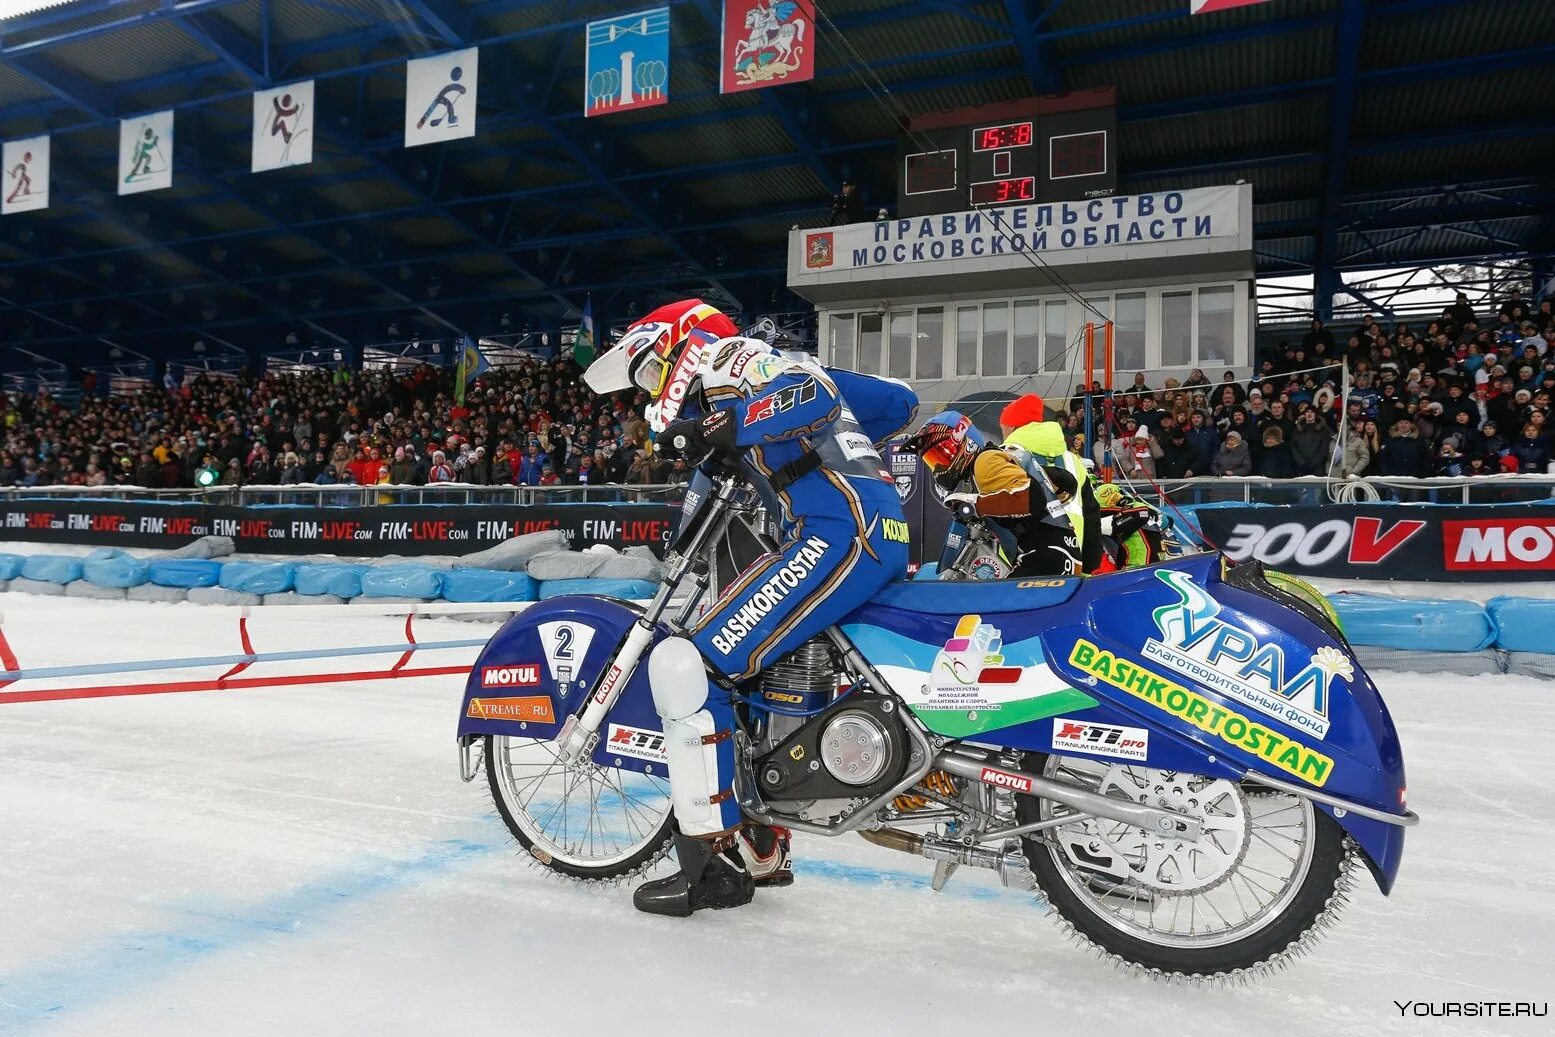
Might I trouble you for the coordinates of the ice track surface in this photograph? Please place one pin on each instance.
(305, 860)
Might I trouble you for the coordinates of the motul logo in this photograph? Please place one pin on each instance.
(1361, 541)
(525, 675)
(1005, 780)
(1507, 544)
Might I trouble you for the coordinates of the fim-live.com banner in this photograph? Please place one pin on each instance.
(1439, 543)
(360, 531)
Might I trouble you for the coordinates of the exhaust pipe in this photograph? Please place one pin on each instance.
(1010, 864)
(1167, 823)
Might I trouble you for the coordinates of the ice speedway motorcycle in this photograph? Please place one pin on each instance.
(1186, 759)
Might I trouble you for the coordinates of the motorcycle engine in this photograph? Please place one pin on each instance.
(803, 681)
(850, 753)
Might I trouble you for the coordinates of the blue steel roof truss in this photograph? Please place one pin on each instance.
(544, 208)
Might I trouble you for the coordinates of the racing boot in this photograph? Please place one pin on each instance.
(712, 875)
(766, 852)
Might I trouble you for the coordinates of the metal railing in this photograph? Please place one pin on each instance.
(350, 496)
(1489, 489)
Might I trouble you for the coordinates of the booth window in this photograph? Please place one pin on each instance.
(966, 340)
(996, 339)
(1216, 324)
(901, 345)
(841, 354)
(1028, 336)
(931, 342)
(1128, 332)
(869, 343)
(1177, 329)
(1055, 337)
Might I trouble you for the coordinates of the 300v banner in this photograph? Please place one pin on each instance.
(360, 531)
(1441, 543)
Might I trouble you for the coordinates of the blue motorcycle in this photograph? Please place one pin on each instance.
(1186, 759)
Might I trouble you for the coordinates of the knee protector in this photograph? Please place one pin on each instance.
(677, 678)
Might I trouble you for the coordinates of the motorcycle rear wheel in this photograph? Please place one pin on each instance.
(1140, 917)
(584, 820)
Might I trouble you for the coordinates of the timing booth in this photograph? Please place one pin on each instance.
(957, 292)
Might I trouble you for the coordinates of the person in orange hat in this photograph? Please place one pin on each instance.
(1024, 425)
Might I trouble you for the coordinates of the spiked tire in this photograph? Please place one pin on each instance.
(652, 848)
(1322, 890)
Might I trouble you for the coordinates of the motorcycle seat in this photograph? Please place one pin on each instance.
(983, 597)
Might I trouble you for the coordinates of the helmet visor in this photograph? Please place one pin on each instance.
(650, 373)
(939, 454)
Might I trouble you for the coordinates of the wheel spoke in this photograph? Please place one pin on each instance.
(1259, 848)
(583, 814)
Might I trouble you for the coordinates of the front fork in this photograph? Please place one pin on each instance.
(580, 733)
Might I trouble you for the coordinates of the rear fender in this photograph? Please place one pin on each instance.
(1248, 681)
(539, 667)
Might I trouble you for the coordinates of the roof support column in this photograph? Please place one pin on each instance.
(1347, 54)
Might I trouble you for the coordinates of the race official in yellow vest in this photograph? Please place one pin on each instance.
(1023, 425)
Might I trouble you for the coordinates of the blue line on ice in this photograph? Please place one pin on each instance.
(137, 958)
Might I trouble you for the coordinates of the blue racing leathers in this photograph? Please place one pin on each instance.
(844, 532)
(844, 535)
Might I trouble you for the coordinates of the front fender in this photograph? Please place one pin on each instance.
(538, 669)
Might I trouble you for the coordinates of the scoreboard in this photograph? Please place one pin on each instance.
(1037, 149)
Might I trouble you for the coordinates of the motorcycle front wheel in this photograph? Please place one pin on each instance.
(1261, 880)
(583, 820)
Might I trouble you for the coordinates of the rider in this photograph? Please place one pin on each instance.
(1022, 425)
(787, 426)
(1030, 504)
(1133, 527)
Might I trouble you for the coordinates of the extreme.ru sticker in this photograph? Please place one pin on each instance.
(1226, 724)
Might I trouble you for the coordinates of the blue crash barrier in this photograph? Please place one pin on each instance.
(111, 567)
(258, 577)
(631, 590)
(52, 568)
(1418, 624)
(185, 572)
(343, 581)
(1515, 624)
(1523, 624)
(403, 581)
(11, 566)
(488, 585)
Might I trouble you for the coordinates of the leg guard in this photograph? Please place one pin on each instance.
(698, 739)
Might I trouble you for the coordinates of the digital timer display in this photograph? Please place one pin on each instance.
(996, 138)
(929, 171)
(1077, 154)
(1002, 192)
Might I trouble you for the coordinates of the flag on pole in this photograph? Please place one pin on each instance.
(586, 348)
(472, 364)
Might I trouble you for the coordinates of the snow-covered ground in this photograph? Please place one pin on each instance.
(305, 860)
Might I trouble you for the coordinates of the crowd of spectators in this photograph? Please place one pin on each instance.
(1461, 395)
(530, 424)
(1455, 396)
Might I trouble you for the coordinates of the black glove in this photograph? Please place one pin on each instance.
(694, 438)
